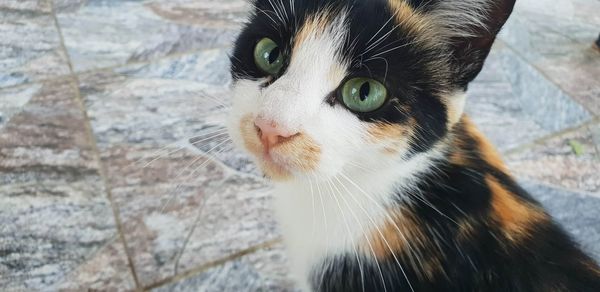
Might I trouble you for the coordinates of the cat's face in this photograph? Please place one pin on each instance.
(325, 87)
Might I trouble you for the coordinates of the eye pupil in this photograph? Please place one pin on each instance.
(273, 55)
(268, 57)
(363, 94)
(364, 91)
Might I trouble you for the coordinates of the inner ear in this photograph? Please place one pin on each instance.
(473, 26)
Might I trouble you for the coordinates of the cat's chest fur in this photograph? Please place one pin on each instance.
(326, 219)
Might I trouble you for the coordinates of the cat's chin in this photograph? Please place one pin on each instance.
(274, 170)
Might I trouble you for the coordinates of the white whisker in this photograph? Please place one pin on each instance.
(360, 266)
(379, 231)
(206, 156)
(412, 250)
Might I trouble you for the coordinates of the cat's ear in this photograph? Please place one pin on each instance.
(472, 26)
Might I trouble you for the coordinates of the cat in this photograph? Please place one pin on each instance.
(354, 110)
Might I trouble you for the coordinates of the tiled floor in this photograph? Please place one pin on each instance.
(91, 91)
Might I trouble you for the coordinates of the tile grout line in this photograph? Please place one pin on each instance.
(72, 72)
(551, 136)
(203, 268)
(116, 214)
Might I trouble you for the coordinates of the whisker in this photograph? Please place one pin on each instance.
(218, 134)
(157, 152)
(208, 158)
(380, 40)
(269, 16)
(312, 196)
(326, 226)
(412, 250)
(390, 50)
(212, 97)
(379, 231)
(382, 27)
(169, 153)
(360, 266)
(432, 207)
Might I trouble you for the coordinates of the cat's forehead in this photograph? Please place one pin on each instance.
(373, 37)
(371, 27)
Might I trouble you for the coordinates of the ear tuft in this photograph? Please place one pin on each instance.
(471, 27)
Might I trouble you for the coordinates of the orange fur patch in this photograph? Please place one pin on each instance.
(300, 152)
(303, 150)
(312, 27)
(411, 20)
(515, 216)
(404, 238)
(394, 137)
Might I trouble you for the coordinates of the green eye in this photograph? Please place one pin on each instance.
(363, 94)
(268, 57)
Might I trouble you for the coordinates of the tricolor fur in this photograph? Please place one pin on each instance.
(409, 197)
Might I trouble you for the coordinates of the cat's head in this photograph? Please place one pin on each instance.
(321, 87)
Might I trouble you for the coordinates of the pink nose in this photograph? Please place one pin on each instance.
(270, 133)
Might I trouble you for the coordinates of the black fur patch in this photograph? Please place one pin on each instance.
(484, 260)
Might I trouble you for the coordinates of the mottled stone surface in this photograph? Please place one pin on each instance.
(573, 10)
(105, 270)
(179, 209)
(30, 47)
(108, 33)
(263, 270)
(514, 104)
(559, 161)
(54, 213)
(561, 49)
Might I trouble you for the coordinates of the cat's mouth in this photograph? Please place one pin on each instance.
(298, 154)
(274, 167)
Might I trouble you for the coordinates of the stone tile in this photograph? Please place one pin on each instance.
(555, 162)
(54, 213)
(573, 10)
(263, 270)
(576, 212)
(562, 50)
(30, 47)
(179, 209)
(106, 270)
(577, 75)
(44, 6)
(514, 104)
(108, 33)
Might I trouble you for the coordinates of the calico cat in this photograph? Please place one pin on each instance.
(354, 109)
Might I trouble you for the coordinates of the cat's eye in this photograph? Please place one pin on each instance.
(268, 56)
(363, 94)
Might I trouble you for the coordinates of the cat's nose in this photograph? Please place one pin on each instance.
(270, 133)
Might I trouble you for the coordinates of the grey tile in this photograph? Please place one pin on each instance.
(106, 270)
(514, 104)
(561, 49)
(568, 10)
(576, 212)
(108, 33)
(30, 48)
(54, 213)
(179, 209)
(33, 6)
(556, 162)
(263, 270)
